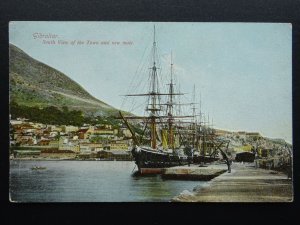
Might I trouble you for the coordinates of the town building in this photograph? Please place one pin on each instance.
(68, 129)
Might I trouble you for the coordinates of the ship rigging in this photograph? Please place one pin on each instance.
(169, 138)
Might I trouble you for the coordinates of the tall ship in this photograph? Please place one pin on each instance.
(161, 143)
(204, 143)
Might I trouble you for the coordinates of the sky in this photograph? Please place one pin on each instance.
(243, 71)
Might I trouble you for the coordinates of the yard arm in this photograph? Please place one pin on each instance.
(135, 140)
(218, 147)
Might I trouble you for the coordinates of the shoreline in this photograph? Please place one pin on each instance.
(245, 183)
(64, 159)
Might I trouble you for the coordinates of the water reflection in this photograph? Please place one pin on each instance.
(89, 181)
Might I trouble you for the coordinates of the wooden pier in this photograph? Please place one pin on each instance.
(245, 183)
(194, 172)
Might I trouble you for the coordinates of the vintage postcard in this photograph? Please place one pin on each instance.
(150, 112)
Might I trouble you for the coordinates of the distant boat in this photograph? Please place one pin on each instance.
(38, 168)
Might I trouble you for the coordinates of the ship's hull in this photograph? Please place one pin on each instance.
(150, 161)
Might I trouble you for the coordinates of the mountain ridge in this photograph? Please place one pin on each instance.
(34, 83)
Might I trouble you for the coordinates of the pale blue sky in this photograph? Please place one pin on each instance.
(243, 70)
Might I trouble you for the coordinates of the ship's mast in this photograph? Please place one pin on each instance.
(194, 118)
(170, 107)
(204, 131)
(199, 139)
(154, 85)
(154, 105)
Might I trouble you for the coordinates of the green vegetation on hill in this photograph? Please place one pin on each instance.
(47, 115)
(54, 115)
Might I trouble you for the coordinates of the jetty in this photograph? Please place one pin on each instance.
(194, 172)
(245, 183)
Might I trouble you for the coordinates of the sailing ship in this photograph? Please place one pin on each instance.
(165, 149)
(203, 142)
(173, 141)
(207, 144)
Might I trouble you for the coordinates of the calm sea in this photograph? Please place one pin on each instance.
(89, 181)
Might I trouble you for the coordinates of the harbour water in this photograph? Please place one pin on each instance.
(89, 181)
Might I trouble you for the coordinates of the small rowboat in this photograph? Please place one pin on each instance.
(38, 168)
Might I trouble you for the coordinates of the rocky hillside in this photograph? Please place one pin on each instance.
(33, 83)
(245, 142)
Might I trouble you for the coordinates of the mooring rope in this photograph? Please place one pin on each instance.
(133, 168)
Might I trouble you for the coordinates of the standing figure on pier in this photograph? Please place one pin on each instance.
(228, 161)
